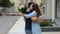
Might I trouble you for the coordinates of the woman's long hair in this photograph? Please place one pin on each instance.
(36, 8)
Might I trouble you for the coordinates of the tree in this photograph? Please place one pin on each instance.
(6, 3)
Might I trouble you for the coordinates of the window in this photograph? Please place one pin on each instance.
(43, 6)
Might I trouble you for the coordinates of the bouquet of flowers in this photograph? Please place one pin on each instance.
(22, 8)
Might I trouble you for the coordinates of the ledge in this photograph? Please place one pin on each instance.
(50, 29)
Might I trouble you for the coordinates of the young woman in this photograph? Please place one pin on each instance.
(32, 14)
(35, 20)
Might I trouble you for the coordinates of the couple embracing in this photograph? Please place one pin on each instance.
(32, 19)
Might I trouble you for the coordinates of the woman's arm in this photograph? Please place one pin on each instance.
(33, 17)
(30, 15)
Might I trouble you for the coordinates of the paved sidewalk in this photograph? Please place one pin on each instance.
(50, 32)
(18, 28)
(6, 22)
(18, 25)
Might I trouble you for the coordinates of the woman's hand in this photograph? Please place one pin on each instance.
(35, 19)
(21, 14)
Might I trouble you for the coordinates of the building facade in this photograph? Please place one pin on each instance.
(51, 8)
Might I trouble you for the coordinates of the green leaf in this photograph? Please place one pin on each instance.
(6, 3)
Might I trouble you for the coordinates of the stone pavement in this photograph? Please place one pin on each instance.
(57, 21)
(50, 32)
(6, 23)
(18, 28)
(17, 23)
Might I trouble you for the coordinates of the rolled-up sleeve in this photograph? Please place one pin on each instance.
(31, 14)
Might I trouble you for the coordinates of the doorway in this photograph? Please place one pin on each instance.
(57, 9)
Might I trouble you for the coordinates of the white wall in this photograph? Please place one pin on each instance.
(38, 2)
(50, 9)
(16, 4)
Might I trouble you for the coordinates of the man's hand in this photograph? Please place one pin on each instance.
(21, 14)
(28, 9)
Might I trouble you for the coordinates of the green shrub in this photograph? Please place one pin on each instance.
(6, 3)
(46, 22)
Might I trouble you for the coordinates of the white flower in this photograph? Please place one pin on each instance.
(21, 6)
(12, 1)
